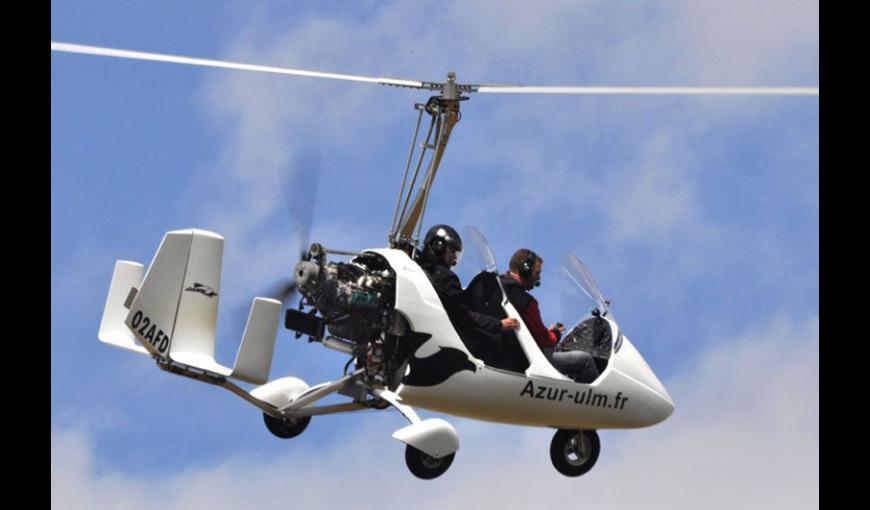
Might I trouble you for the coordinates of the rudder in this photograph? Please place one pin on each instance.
(178, 296)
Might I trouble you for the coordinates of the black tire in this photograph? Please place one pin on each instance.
(425, 466)
(574, 452)
(285, 429)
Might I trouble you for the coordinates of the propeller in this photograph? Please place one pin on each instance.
(300, 192)
(281, 290)
(448, 88)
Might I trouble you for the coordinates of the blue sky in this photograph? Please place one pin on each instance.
(698, 217)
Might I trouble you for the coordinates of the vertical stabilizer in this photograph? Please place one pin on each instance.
(196, 320)
(127, 276)
(254, 360)
(162, 297)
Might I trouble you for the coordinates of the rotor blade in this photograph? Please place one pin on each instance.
(483, 89)
(177, 59)
(744, 91)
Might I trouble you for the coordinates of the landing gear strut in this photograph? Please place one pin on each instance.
(574, 452)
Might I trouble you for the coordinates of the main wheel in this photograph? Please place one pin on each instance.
(426, 466)
(574, 452)
(288, 428)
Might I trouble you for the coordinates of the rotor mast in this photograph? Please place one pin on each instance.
(444, 112)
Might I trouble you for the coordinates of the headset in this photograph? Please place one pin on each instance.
(528, 266)
(440, 237)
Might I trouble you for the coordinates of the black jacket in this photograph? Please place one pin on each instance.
(453, 298)
(516, 293)
(484, 294)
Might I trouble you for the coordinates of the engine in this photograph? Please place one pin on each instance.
(355, 301)
(354, 298)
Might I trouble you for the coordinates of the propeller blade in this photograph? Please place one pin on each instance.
(300, 196)
(178, 59)
(281, 290)
(300, 191)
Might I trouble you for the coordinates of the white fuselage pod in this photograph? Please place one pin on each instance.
(627, 394)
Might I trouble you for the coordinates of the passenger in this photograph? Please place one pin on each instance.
(524, 274)
(442, 248)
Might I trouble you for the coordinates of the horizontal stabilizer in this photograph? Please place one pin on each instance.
(113, 331)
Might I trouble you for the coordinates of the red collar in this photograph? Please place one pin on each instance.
(517, 278)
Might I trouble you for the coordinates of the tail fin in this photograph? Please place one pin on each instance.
(178, 296)
(174, 312)
(126, 277)
(254, 359)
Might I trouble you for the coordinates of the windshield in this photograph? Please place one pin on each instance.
(578, 289)
(480, 253)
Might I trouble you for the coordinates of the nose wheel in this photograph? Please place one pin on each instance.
(574, 452)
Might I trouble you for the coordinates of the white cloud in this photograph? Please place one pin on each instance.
(657, 195)
(749, 42)
(73, 484)
(81, 279)
(745, 435)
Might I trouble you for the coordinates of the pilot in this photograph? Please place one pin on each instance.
(442, 248)
(525, 274)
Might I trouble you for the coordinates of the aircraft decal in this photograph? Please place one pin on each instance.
(205, 290)
(149, 331)
(438, 367)
(588, 397)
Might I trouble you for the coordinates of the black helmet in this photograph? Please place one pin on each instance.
(439, 237)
